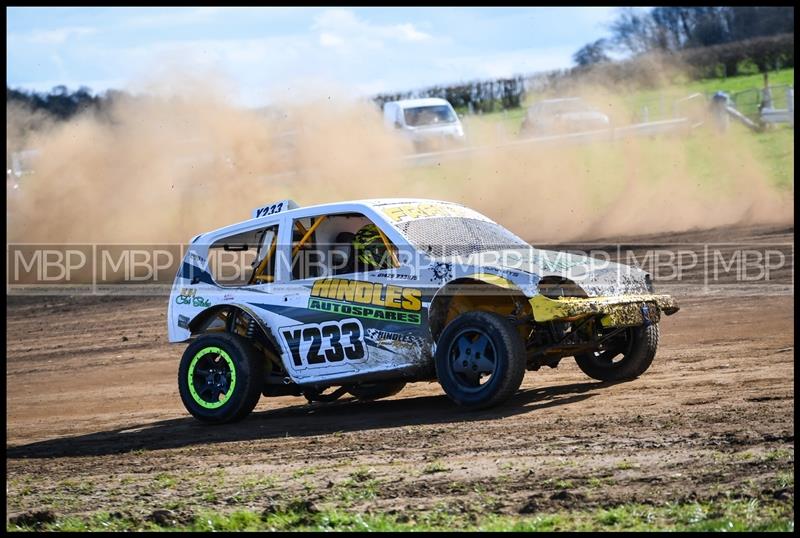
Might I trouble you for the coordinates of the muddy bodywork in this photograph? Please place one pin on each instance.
(387, 321)
(623, 294)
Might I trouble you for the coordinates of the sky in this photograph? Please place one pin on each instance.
(258, 54)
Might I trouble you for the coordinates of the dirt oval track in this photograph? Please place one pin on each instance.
(95, 421)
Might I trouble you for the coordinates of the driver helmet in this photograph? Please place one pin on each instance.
(370, 248)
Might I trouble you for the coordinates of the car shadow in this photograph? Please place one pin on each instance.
(301, 421)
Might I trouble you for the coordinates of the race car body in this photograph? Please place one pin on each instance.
(364, 296)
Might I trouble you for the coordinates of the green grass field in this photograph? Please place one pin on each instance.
(773, 148)
(747, 84)
(741, 83)
(726, 515)
(661, 98)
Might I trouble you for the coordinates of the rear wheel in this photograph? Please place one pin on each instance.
(220, 378)
(480, 360)
(626, 356)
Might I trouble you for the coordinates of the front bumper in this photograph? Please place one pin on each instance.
(619, 311)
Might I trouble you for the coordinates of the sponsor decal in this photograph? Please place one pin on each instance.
(378, 335)
(369, 312)
(370, 293)
(315, 345)
(441, 272)
(396, 276)
(385, 302)
(421, 210)
(183, 322)
(188, 296)
(197, 258)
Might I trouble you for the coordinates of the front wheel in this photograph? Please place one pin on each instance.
(480, 360)
(626, 356)
(220, 378)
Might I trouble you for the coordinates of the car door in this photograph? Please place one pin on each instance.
(354, 323)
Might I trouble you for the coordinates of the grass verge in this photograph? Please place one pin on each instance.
(721, 515)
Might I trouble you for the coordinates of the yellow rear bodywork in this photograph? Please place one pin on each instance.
(618, 311)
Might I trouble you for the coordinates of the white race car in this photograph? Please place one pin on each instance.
(362, 297)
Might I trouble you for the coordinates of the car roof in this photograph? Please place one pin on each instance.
(335, 207)
(428, 101)
(368, 202)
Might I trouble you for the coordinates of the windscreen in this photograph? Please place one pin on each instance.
(429, 115)
(443, 237)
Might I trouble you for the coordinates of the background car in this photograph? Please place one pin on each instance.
(559, 116)
(430, 123)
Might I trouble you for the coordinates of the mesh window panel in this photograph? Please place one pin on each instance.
(443, 237)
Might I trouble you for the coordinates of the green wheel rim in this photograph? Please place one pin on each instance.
(196, 391)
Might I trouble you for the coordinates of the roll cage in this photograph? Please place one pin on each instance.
(261, 275)
(289, 228)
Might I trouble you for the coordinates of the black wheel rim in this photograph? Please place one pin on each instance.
(472, 359)
(615, 351)
(212, 377)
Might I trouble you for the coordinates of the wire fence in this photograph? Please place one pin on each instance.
(750, 102)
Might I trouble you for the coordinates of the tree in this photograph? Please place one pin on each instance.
(593, 53)
(672, 27)
(634, 32)
(749, 22)
(60, 102)
(675, 28)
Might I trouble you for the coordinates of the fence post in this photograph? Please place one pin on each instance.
(766, 98)
(719, 104)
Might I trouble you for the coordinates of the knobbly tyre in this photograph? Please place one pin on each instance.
(363, 297)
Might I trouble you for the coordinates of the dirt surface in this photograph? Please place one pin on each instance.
(95, 421)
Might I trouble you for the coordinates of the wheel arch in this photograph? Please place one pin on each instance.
(200, 322)
(479, 291)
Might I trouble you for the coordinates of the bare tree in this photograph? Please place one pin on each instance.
(591, 54)
(634, 32)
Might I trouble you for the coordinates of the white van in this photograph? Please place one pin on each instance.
(429, 123)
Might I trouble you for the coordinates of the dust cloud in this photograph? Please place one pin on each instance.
(163, 167)
(689, 179)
